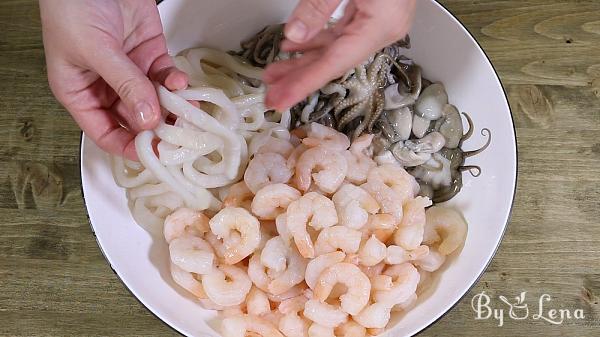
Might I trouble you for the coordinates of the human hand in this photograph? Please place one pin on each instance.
(101, 56)
(367, 26)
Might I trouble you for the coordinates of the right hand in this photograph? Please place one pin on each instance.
(101, 56)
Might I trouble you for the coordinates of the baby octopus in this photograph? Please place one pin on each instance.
(366, 96)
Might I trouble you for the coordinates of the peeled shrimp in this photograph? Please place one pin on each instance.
(395, 177)
(381, 282)
(257, 272)
(354, 205)
(313, 210)
(372, 252)
(295, 155)
(360, 162)
(257, 302)
(185, 220)
(292, 325)
(405, 280)
(338, 237)
(374, 316)
(236, 220)
(398, 255)
(406, 305)
(192, 254)
(277, 145)
(388, 199)
(248, 325)
(293, 274)
(187, 281)
(295, 291)
(330, 166)
(318, 330)
(239, 195)
(272, 200)
(265, 169)
(380, 225)
(446, 227)
(315, 267)
(430, 262)
(358, 284)
(324, 314)
(350, 329)
(282, 229)
(320, 135)
(224, 292)
(409, 234)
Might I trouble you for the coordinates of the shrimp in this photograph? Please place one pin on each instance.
(358, 284)
(406, 305)
(232, 219)
(293, 274)
(257, 302)
(409, 234)
(373, 271)
(277, 145)
(381, 282)
(272, 200)
(350, 329)
(239, 195)
(185, 220)
(372, 252)
(406, 278)
(295, 291)
(388, 199)
(282, 229)
(265, 169)
(227, 285)
(318, 330)
(248, 325)
(360, 162)
(399, 255)
(324, 314)
(445, 225)
(187, 281)
(292, 325)
(314, 210)
(295, 155)
(192, 254)
(395, 177)
(330, 166)
(430, 262)
(338, 237)
(354, 205)
(257, 272)
(374, 316)
(315, 267)
(382, 226)
(319, 134)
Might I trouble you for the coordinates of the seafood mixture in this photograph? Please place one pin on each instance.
(309, 222)
(387, 96)
(304, 246)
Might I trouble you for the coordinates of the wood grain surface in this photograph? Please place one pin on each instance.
(55, 282)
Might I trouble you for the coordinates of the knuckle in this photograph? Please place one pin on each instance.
(127, 87)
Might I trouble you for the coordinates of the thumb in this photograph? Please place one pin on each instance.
(309, 18)
(133, 87)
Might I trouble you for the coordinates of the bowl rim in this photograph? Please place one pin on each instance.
(453, 305)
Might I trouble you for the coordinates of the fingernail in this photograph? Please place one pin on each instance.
(144, 113)
(297, 31)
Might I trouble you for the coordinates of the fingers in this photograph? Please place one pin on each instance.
(275, 71)
(322, 39)
(297, 83)
(308, 19)
(153, 59)
(103, 129)
(132, 86)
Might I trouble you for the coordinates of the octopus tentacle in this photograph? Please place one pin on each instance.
(485, 146)
(469, 133)
(471, 169)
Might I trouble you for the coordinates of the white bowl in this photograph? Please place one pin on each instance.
(446, 52)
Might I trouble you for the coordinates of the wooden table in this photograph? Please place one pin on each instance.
(55, 282)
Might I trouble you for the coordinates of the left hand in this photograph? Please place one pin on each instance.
(366, 27)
